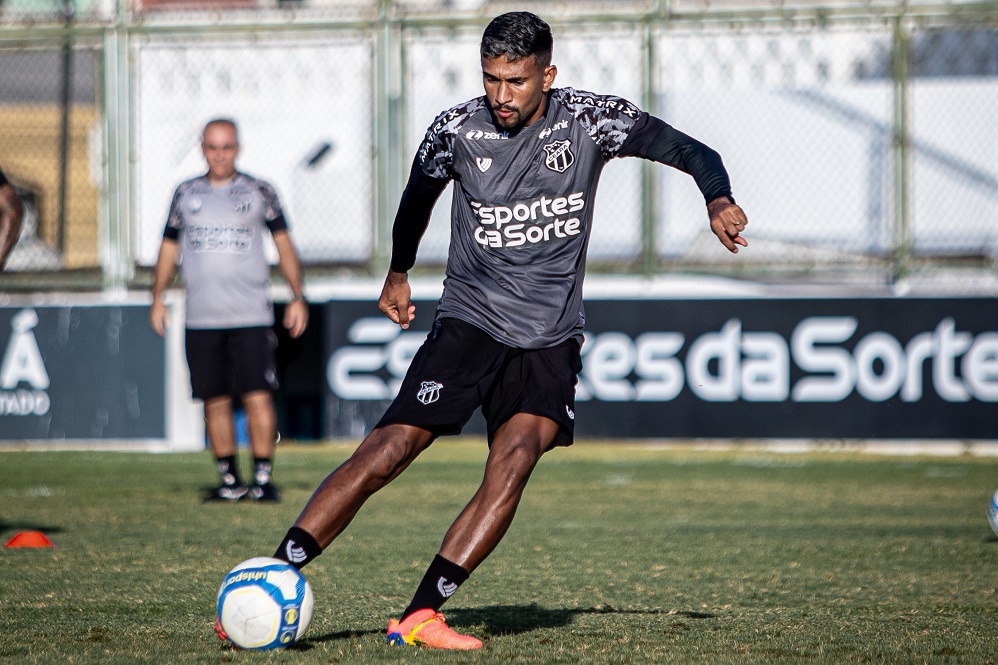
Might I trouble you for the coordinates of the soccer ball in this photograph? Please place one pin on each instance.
(264, 603)
(993, 512)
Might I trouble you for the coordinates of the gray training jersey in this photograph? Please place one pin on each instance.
(221, 230)
(522, 212)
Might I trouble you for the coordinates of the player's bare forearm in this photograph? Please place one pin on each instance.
(166, 264)
(288, 262)
(296, 313)
(727, 221)
(395, 301)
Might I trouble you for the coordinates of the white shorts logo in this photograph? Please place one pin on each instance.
(571, 414)
(429, 392)
(446, 588)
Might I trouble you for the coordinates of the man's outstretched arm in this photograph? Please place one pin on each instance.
(654, 139)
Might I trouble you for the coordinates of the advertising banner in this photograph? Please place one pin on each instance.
(870, 368)
(80, 372)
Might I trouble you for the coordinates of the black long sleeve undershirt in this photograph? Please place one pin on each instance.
(654, 139)
(651, 138)
(413, 216)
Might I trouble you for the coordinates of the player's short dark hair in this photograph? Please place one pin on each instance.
(518, 35)
(221, 121)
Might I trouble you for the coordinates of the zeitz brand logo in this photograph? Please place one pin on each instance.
(23, 364)
(548, 131)
(429, 392)
(483, 163)
(476, 134)
(559, 156)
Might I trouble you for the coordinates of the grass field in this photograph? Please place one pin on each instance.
(619, 554)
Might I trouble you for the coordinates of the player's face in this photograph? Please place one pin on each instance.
(515, 90)
(220, 146)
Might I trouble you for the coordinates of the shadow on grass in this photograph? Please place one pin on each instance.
(511, 620)
(6, 526)
(516, 619)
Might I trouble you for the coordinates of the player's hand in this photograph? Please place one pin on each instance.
(395, 299)
(158, 317)
(727, 221)
(296, 317)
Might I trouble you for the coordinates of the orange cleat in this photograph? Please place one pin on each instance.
(219, 630)
(427, 628)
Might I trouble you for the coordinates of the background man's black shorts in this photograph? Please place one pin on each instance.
(231, 361)
(460, 367)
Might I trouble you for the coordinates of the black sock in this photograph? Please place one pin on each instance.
(298, 548)
(263, 467)
(228, 471)
(439, 583)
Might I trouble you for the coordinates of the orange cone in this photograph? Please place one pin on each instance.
(30, 539)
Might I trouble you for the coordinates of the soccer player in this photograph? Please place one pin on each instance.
(223, 216)
(11, 214)
(525, 159)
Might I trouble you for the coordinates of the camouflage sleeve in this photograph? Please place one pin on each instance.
(607, 119)
(436, 153)
(273, 214)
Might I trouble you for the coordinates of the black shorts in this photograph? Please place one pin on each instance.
(231, 361)
(460, 367)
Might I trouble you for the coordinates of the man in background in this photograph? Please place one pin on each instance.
(216, 227)
(11, 214)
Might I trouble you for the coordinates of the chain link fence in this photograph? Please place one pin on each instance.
(860, 137)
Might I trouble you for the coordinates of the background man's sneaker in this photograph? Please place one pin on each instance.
(427, 628)
(231, 493)
(265, 492)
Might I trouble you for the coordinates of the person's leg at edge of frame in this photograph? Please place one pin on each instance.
(380, 458)
(221, 431)
(261, 420)
(515, 451)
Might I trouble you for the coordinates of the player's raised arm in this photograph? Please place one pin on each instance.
(654, 139)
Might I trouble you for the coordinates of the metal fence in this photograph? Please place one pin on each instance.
(860, 136)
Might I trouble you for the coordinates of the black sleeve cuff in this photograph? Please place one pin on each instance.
(277, 224)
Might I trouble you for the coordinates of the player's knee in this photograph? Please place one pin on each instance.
(517, 461)
(383, 455)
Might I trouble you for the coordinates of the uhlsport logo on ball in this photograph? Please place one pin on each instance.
(264, 603)
(993, 512)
